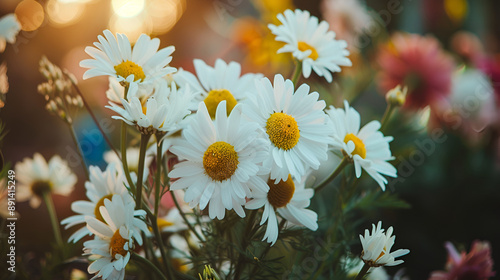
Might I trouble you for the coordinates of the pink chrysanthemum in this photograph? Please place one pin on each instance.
(419, 63)
(477, 264)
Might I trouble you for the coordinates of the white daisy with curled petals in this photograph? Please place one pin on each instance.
(214, 84)
(116, 92)
(37, 176)
(220, 161)
(311, 43)
(163, 111)
(114, 238)
(294, 123)
(367, 147)
(102, 185)
(115, 57)
(289, 200)
(377, 247)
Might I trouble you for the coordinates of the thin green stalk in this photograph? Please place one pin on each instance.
(80, 152)
(135, 257)
(158, 173)
(124, 157)
(363, 271)
(183, 215)
(336, 172)
(87, 107)
(47, 198)
(159, 240)
(387, 114)
(297, 72)
(245, 242)
(140, 171)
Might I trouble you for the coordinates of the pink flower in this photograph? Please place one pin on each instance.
(419, 63)
(477, 264)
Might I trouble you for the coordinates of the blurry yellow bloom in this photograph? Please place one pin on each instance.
(456, 10)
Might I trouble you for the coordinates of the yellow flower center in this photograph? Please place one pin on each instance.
(162, 223)
(40, 187)
(215, 96)
(283, 131)
(116, 244)
(280, 193)
(100, 203)
(220, 161)
(127, 68)
(359, 146)
(303, 46)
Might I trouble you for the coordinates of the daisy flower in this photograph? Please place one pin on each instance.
(115, 57)
(114, 238)
(132, 160)
(419, 63)
(9, 27)
(116, 92)
(295, 125)
(102, 185)
(311, 43)
(36, 176)
(377, 247)
(221, 82)
(367, 147)
(163, 111)
(289, 200)
(222, 161)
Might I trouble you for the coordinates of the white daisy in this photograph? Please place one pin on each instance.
(132, 160)
(9, 27)
(222, 160)
(221, 82)
(116, 92)
(36, 176)
(311, 43)
(367, 147)
(163, 111)
(294, 123)
(377, 247)
(115, 57)
(101, 185)
(289, 200)
(114, 238)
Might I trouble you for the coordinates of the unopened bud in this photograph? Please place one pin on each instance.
(209, 274)
(396, 96)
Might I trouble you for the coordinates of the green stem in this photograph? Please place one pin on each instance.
(297, 72)
(80, 152)
(135, 257)
(336, 172)
(124, 157)
(158, 173)
(387, 114)
(47, 198)
(87, 107)
(140, 171)
(159, 240)
(244, 244)
(363, 271)
(183, 215)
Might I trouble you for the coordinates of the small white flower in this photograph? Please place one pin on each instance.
(223, 160)
(377, 247)
(116, 92)
(311, 43)
(114, 238)
(163, 111)
(289, 200)
(115, 57)
(9, 27)
(293, 122)
(367, 147)
(101, 185)
(214, 84)
(36, 176)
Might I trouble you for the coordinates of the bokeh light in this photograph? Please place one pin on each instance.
(63, 13)
(30, 14)
(132, 27)
(165, 14)
(127, 8)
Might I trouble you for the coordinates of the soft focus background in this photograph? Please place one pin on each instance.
(452, 184)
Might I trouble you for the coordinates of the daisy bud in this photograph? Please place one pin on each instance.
(396, 96)
(70, 76)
